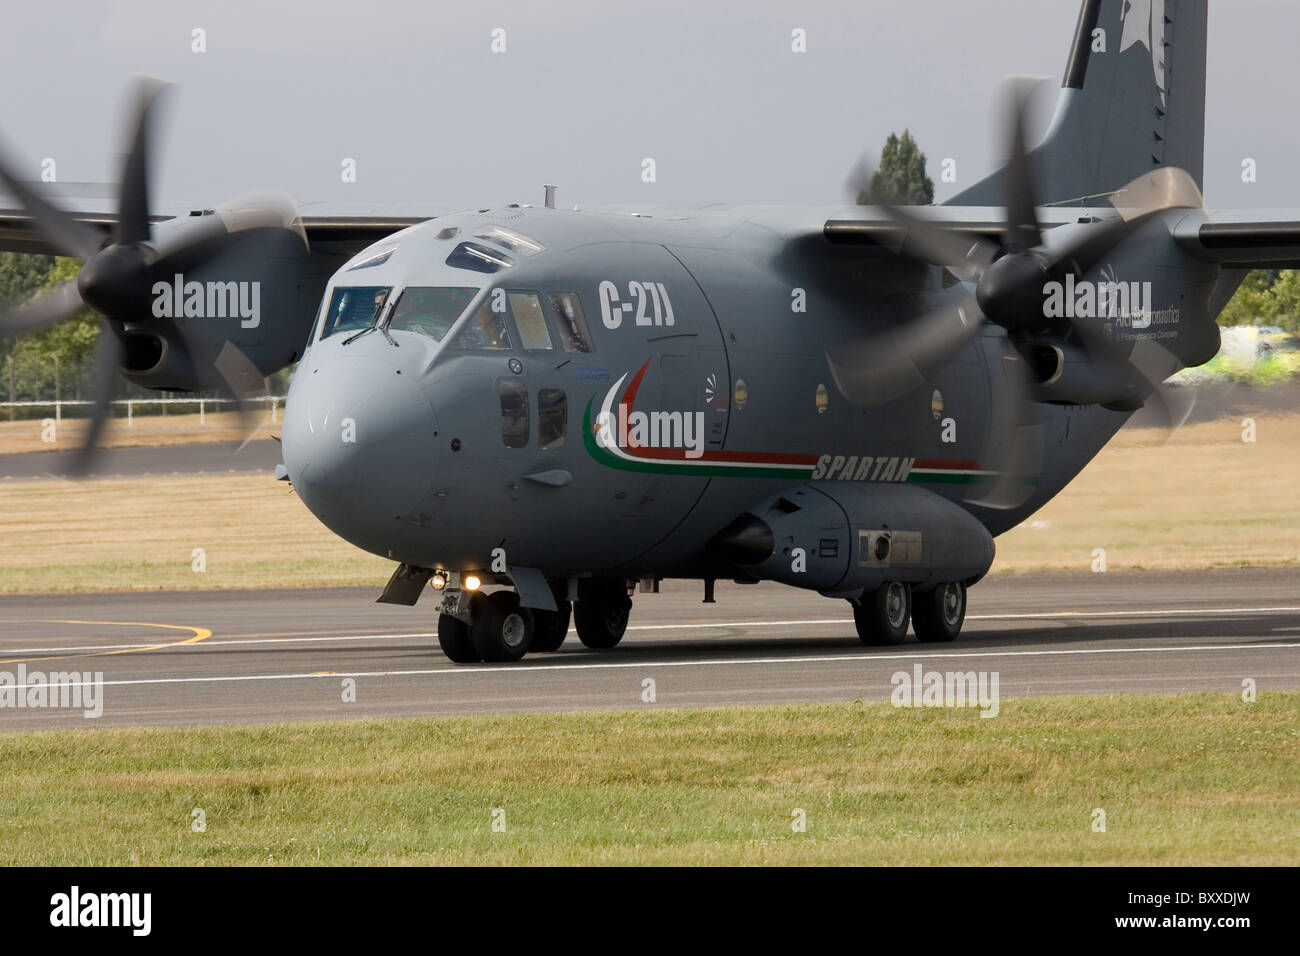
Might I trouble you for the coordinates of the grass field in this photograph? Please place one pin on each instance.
(1195, 779)
(141, 534)
(1206, 499)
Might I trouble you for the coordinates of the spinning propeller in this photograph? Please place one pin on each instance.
(1008, 279)
(118, 274)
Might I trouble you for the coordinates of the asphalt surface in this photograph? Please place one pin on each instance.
(198, 458)
(218, 657)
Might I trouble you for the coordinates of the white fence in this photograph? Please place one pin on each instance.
(59, 404)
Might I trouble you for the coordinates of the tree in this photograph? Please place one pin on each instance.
(33, 355)
(21, 275)
(900, 178)
(1265, 297)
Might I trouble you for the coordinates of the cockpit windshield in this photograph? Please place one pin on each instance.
(429, 310)
(353, 308)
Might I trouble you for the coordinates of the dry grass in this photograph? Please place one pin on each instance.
(1204, 500)
(151, 429)
(140, 533)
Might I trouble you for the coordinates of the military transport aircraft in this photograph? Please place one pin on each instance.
(528, 408)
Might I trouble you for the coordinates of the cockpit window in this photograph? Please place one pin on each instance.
(353, 308)
(567, 309)
(429, 310)
(486, 328)
(516, 242)
(478, 258)
(530, 320)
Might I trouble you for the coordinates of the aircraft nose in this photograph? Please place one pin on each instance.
(360, 445)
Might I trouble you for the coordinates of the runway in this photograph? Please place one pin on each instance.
(254, 656)
(138, 461)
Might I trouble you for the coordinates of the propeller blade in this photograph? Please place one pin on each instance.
(52, 308)
(965, 256)
(1017, 179)
(133, 194)
(1096, 243)
(246, 219)
(109, 355)
(886, 366)
(1014, 447)
(1147, 365)
(1165, 188)
(70, 237)
(857, 183)
(240, 378)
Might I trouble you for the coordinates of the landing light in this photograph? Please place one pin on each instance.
(439, 580)
(472, 583)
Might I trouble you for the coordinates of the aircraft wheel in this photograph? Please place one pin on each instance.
(551, 627)
(454, 639)
(502, 630)
(601, 612)
(881, 617)
(937, 614)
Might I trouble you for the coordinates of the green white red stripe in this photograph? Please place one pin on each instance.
(601, 439)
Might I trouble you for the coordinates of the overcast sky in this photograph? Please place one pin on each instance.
(584, 91)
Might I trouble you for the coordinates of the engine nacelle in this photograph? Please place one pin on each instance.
(842, 538)
(258, 295)
(157, 360)
(1068, 375)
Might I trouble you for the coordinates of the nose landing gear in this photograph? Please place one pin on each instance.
(551, 627)
(495, 628)
(500, 630)
(601, 612)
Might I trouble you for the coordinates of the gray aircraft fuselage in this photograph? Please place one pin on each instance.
(714, 328)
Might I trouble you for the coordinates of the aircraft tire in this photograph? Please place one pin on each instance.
(937, 614)
(551, 627)
(882, 615)
(502, 630)
(601, 612)
(454, 639)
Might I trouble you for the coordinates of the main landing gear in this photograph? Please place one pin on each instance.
(500, 630)
(936, 613)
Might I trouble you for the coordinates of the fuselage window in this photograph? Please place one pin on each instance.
(353, 308)
(514, 412)
(530, 321)
(486, 329)
(429, 310)
(552, 417)
(567, 309)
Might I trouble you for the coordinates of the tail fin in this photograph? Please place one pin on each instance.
(1133, 98)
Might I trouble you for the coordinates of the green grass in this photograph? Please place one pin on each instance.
(1185, 779)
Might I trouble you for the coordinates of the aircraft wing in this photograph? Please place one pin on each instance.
(1251, 239)
(343, 233)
